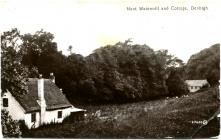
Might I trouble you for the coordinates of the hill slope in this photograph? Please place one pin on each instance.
(173, 117)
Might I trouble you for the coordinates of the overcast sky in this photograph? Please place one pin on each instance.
(89, 24)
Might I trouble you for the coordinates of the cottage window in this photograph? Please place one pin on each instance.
(5, 102)
(33, 117)
(59, 114)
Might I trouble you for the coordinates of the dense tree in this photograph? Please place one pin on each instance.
(113, 73)
(205, 65)
(72, 72)
(41, 56)
(13, 74)
(167, 60)
(40, 52)
(175, 82)
(173, 74)
(124, 72)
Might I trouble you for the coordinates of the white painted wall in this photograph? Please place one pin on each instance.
(52, 116)
(194, 89)
(14, 108)
(32, 124)
(18, 113)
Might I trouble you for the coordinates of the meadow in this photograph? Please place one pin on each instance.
(191, 116)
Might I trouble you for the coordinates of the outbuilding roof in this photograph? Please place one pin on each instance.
(196, 82)
(54, 97)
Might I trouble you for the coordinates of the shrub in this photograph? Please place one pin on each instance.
(10, 127)
(175, 83)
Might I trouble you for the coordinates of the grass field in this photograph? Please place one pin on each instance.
(181, 117)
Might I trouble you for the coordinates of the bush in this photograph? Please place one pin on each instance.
(175, 83)
(10, 127)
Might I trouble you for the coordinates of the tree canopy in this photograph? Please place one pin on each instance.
(205, 65)
(13, 74)
(114, 73)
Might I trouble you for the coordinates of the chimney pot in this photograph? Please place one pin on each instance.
(40, 76)
(52, 77)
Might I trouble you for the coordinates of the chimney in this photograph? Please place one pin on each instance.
(41, 99)
(40, 88)
(52, 77)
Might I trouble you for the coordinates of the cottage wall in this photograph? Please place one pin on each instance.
(30, 124)
(52, 115)
(193, 88)
(18, 113)
(14, 108)
(195, 85)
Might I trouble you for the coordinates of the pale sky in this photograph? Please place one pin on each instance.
(89, 24)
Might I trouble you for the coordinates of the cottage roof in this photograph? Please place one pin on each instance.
(54, 97)
(196, 82)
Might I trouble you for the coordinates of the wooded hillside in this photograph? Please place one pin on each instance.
(121, 72)
(205, 65)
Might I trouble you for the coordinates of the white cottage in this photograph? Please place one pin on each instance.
(195, 85)
(44, 103)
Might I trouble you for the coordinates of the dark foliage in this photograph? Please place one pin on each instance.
(10, 127)
(13, 74)
(175, 82)
(114, 73)
(120, 72)
(205, 65)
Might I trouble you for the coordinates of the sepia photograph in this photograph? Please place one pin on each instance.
(110, 69)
